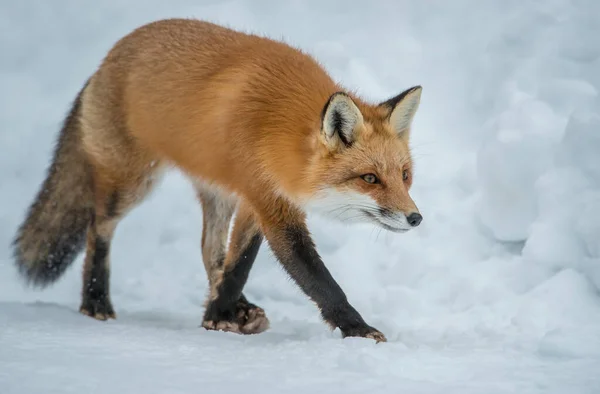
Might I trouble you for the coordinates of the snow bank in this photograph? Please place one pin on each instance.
(539, 164)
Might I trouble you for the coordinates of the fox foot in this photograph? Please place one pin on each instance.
(242, 318)
(98, 308)
(364, 332)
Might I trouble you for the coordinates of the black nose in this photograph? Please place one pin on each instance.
(414, 219)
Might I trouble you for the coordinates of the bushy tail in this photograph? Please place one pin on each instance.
(54, 231)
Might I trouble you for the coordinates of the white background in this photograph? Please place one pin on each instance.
(496, 291)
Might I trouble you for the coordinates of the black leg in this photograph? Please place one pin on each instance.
(229, 310)
(95, 293)
(296, 251)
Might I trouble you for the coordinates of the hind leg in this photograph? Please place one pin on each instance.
(217, 211)
(227, 308)
(115, 196)
(95, 293)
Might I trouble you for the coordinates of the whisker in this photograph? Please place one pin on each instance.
(345, 208)
(372, 231)
(349, 218)
(339, 214)
(358, 205)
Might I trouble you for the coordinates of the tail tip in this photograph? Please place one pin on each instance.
(36, 274)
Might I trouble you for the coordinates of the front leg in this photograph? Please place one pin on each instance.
(285, 229)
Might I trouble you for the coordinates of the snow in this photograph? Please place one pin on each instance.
(496, 292)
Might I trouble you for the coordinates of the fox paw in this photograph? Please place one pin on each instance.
(245, 318)
(99, 309)
(365, 332)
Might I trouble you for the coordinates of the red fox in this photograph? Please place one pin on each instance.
(263, 133)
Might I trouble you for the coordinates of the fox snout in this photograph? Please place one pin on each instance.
(396, 221)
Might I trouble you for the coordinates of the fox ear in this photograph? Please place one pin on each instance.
(339, 120)
(403, 108)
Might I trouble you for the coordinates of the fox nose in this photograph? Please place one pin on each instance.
(414, 219)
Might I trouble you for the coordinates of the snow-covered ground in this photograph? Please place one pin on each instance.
(497, 290)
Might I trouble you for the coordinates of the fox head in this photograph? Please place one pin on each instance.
(363, 168)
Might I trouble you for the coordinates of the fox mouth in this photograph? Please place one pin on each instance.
(382, 224)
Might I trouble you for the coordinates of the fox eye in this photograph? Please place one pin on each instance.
(405, 175)
(370, 178)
